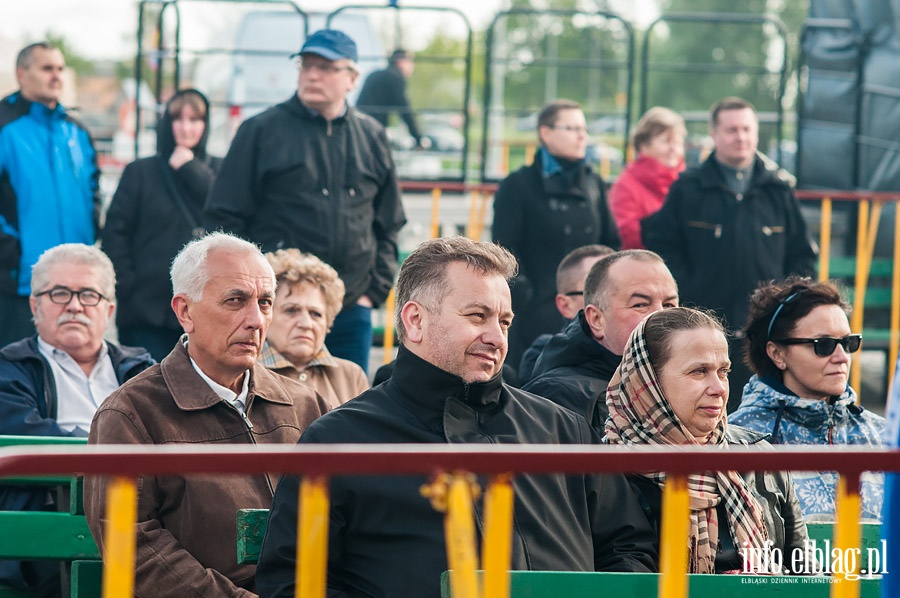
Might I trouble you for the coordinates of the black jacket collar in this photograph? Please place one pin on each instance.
(428, 391)
(576, 347)
(764, 172)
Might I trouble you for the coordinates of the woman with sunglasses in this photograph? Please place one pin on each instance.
(798, 342)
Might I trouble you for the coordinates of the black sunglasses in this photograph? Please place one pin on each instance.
(826, 345)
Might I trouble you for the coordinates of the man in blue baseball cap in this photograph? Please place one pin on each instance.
(315, 174)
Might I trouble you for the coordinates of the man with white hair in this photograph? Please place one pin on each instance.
(208, 390)
(52, 383)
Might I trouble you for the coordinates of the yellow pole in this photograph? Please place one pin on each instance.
(388, 342)
(504, 159)
(859, 295)
(471, 228)
(605, 165)
(453, 495)
(482, 214)
(846, 536)
(460, 529)
(673, 545)
(530, 149)
(874, 220)
(895, 299)
(312, 538)
(825, 240)
(435, 212)
(496, 550)
(120, 538)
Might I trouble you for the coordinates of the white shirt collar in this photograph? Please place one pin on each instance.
(225, 393)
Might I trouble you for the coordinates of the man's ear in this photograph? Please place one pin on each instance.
(564, 307)
(413, 315)
(32, 303)
(595, 320)
(182, 308)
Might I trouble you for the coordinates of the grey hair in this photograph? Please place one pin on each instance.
(23, 60)
(189, 268)
(74, 253)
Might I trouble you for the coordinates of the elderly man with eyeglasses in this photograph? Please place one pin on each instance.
(52, 383)
(314, 174)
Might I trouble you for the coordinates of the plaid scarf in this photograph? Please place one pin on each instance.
(639, 413)
(274, 360)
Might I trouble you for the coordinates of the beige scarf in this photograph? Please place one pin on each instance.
(639, 413)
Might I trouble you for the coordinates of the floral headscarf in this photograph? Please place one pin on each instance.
(639, 413)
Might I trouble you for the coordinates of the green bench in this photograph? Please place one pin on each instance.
(552, 584)
(251, 529)
(59, 535)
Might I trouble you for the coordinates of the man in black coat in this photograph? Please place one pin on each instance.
(545, 210)
(575, 367)
(385, 91)
(385, 539)
(729, 224)
(314, 174)
(570, 277)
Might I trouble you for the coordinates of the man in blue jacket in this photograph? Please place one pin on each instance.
(48, 181)
(52, 383)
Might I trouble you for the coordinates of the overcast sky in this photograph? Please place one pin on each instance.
(107, 28)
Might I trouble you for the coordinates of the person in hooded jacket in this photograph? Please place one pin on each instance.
(798, 343)
(155, 211)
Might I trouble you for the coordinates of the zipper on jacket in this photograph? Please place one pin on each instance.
(253, 442)
(716, 228)
(248, 422)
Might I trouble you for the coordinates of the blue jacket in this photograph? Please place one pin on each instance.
(48, 187)
(28, 391)
(890, 529)
(792, 420)
(28, 407)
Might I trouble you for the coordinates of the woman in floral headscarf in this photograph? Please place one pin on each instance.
(671, 389)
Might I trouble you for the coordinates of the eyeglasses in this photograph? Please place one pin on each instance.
(570, 129)
(825, 346)
(63, 295)
(323, 67)
(574, 294)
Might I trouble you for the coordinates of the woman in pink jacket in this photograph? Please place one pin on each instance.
(642, 187)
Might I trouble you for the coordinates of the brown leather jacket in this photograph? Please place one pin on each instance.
(186, 526)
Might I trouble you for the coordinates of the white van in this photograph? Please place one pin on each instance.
(261, 73)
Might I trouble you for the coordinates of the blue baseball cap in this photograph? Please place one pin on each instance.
(329, 43)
